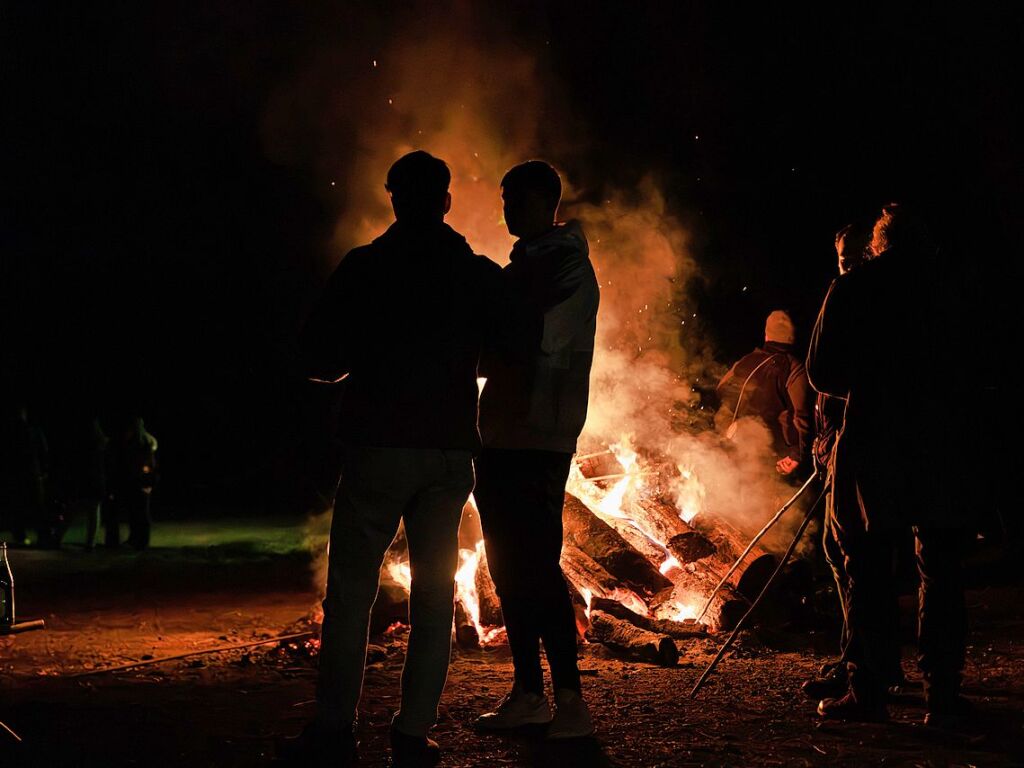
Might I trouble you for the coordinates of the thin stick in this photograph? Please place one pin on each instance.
(739, 624)
(619, 475)
(8, 729)
(219, 649)
(590, 455)
(760, 535)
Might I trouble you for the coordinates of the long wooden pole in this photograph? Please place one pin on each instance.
(760, 535)
(739, 624)
(219, 649)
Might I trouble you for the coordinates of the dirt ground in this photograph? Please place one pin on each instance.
(213, 584)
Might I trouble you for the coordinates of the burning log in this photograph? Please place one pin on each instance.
(580, 609)
(690, 546)
(676, 629)
(632, 641)
(466, 634)
(756, 568)
(391, 605)
(610, 550)
(487, 595)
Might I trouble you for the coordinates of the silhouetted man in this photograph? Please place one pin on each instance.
(881, 332)
(531, 412)
(403, 320)
(771, 385)
(852, 250)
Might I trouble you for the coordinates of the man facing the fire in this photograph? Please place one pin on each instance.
(402, 320)
(880, 331)
(532, 411)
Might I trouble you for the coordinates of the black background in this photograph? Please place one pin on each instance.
(156, 258)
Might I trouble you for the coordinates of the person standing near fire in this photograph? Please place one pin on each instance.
(770, 384)
(532, 411)
(879, 335)
(852, 249)
(402, 321)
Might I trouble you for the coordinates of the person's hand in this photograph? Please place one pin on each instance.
(786, 465)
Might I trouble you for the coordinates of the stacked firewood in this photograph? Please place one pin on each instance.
(614, 563)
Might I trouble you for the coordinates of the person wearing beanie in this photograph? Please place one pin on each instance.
(770, 384)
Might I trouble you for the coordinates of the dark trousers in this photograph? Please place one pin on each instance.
(942, 614)
(132, 507)
(520, 494)
(888, 606)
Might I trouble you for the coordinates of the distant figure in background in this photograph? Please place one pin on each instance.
(26, 468)
(131, 476)
(852, 248)
(532, 411)
(86, 483)
(402, 320)
(771, 385)
(882, 330)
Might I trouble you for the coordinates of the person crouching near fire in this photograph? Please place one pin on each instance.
(879, 333)
(532, 411)
(402, 321)
(852, 249)
(770, 384)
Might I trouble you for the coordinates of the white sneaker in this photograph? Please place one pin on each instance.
(517, 709)
(572, 717)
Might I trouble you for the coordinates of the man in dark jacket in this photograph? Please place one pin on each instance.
(402, 321)
(852, 249)
(771, 385)
(532, 411)
(879, 334)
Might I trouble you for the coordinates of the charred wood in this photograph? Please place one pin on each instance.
(487, 595)
(675, 629)
(633, 642)
(466, 635)
(604, 545)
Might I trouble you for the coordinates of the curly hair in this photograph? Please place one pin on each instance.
(896, 227)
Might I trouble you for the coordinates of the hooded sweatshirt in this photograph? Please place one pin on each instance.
(538, 375)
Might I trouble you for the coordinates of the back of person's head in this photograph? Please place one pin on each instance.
(853, 245)
(534, 178)
(418, 183)
(779, 328)
(898, 227)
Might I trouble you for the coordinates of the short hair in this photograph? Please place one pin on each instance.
(852, 244)
(534, 176)
(418, 183)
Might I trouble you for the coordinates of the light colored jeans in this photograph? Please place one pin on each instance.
(379, 488)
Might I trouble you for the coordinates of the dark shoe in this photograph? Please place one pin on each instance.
(832, 684)
(848, 707)
(413, 751)
(949, 715)
(318, 746)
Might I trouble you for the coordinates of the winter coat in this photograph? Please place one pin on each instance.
(771, 384)
(404, 319)
(881, 341)
(538, 381)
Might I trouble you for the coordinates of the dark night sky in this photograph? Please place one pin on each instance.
(155, 256)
